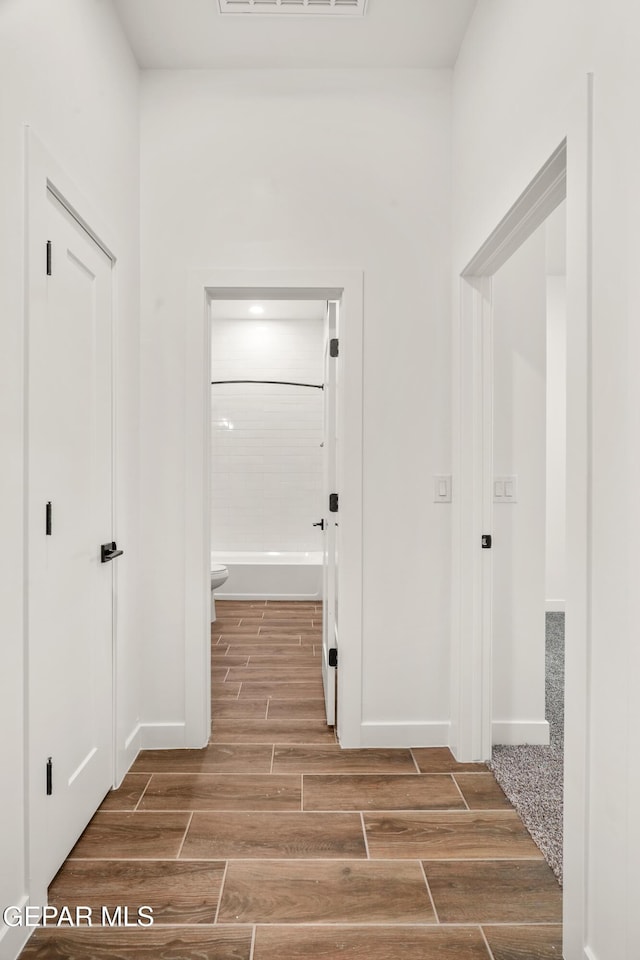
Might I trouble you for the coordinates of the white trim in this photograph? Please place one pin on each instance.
(337, 284)
(473, 450)
(472, 572)
(484, 652)
(13, 939)
(554, 606)
(579, 526)
(515, 732)
(133, 738)
(40, 163)
(196, 523)
(399, 734)
(545, 192)
(162, 736)
(127, 754)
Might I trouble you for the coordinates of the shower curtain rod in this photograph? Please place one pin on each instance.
(280, 383)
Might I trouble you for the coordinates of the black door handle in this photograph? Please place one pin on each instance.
(319, 524)
(109, 551)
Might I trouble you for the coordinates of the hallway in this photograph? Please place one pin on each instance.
(274, 844)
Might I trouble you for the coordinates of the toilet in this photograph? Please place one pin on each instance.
(219, 574)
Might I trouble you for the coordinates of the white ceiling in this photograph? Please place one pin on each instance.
(192, 34)
(272, 309)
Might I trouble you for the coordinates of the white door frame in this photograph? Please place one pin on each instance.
(326, 284)
(570, 164)
(43, 174)
(330, 529)
(475, 500)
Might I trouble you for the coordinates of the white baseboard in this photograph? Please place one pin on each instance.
(149, 736)
(554, 606)
(13, 939)
(126, 754)
(133, 740)
(515, 732)
(129, 752)
(404, 734)
(162, 736)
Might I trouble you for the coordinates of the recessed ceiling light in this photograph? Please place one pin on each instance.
(256, 309)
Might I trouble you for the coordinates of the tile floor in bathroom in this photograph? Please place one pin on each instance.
(274, 844)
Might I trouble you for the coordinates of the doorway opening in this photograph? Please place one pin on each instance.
(529, 530)
(273, 473)
(340, 294)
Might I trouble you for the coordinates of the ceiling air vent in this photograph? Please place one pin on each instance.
(327, 8)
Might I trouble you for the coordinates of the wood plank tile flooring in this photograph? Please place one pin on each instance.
(273, 843)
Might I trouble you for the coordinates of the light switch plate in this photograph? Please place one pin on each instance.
(505, 489)
(442, 489)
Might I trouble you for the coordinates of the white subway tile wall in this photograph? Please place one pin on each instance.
(266, 465)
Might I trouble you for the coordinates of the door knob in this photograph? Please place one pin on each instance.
(319, 524)
(109, 551)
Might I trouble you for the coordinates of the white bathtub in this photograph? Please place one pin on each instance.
(270, 576)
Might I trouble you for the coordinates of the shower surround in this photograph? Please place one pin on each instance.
(266, 463)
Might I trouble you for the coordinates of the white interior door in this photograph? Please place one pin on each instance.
(70, 589)
(330, 566)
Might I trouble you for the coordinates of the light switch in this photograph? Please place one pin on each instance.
(442, 489)
(505, 489)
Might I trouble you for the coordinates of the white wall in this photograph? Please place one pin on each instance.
(519, 442)
(519, 89)
(65, 69)
(313, 169)
(556, 507)
(266, 458)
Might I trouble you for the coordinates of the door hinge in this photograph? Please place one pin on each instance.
(47, 519)
(333, 503)
(334, 347)
(333, 657)
(49, 777)
(48, 258)
(486, 541)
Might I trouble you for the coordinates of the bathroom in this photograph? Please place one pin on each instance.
(267, 438)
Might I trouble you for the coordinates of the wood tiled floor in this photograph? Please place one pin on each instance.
(273, 843)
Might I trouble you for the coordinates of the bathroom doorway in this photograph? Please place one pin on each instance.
(342, 294)
(273, 469)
